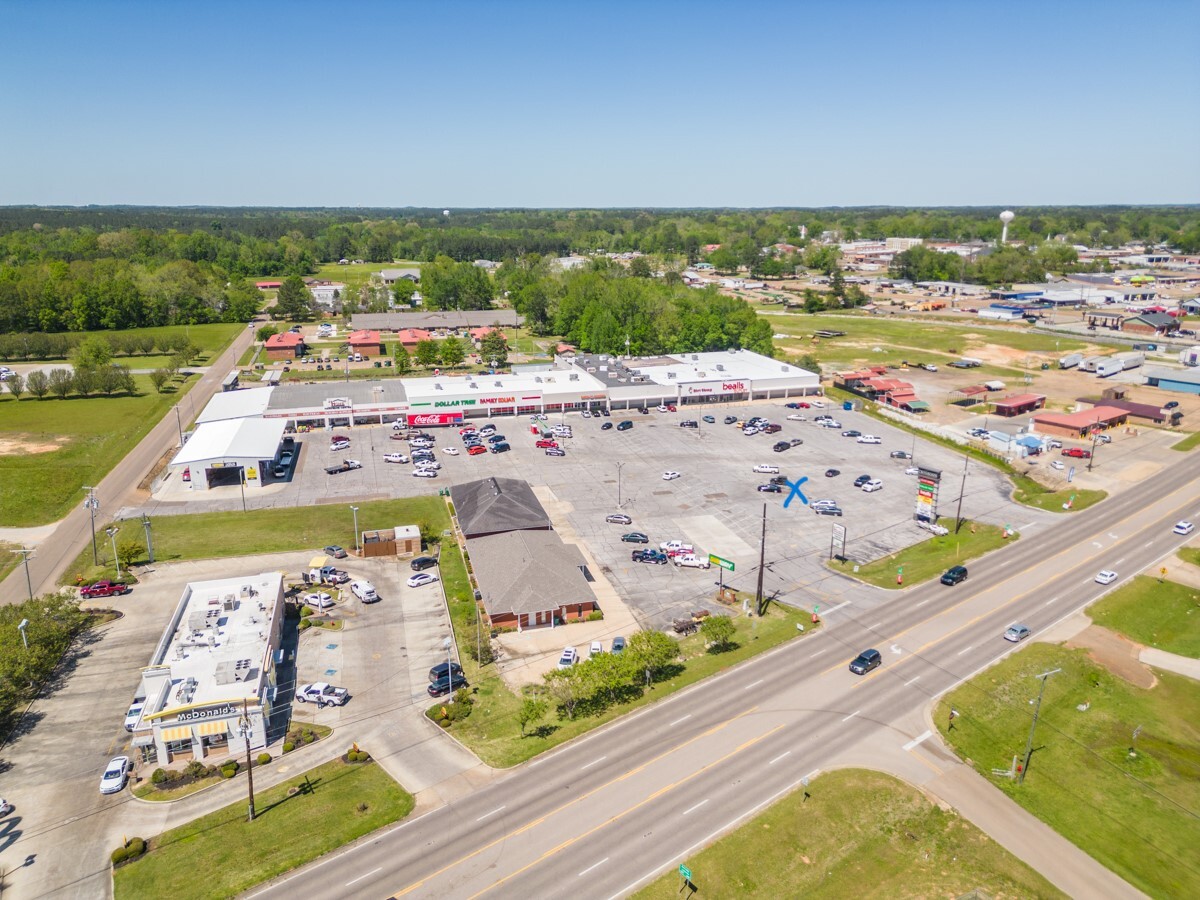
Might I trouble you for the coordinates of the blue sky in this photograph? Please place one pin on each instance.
(599, 104)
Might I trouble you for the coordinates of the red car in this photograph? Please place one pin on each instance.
(476, 450)
(104, 589)
(1077, 453)
(470, 429)
(670, 407)
(544, 444)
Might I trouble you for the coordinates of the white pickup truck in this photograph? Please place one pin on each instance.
(674, 548)
(691, 561)
(322, 693)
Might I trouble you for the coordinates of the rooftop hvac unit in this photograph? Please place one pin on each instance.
(783, 368)
(700, 374)
(474, 385)
(622, 380)
(437, 387)
(537, 379)
(498, 384)
(720, 367)
(694, 357)
(574, 376)
(670, 375)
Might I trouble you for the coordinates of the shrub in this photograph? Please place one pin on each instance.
(195, 769)
(228, 772)
(133, 848)
(595, 615)
(160, 776)
(309, 737)
(119, 856)
(264, 758)
(306, 611)
(304, 624)
(288, 747)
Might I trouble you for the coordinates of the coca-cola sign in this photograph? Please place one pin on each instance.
(435, 418)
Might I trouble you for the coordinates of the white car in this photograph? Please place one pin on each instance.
(340, 444)
(596, 649)
(816, 404)
(5, 806)
(1183, 528)
(750, 430)
(831, 423)
(424, 473)
(868, 439)
(587, 414)
(134, 714)
(670, 476)
(1107, 576)
(569, 657)
(678, 547)
(662, 409)
(395, 458)
(450, 451)
(796, 417)
(873, 485)
(322, 694)
(427, 464)
(320, 600)
(766, 469)
(421, 579)
(1056, 464)
(116, 773)
(912, 470)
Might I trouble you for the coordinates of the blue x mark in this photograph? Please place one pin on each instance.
(795, 486)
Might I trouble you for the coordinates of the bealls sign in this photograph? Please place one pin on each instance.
(733, 386)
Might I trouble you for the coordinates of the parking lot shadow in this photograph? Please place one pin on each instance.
(10, 833)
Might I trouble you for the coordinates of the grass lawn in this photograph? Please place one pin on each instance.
(1191, 442)
(930, 558)
(1134, 814)
(355, 276)
(493, 732)
(1189, 555)
(225, 534)
(8, 559)
(91, 436)
(1161, 614)
(1031, 493)
(825, 847)
(288, 832)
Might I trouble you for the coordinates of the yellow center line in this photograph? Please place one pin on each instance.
(663, 790)
(916, 653)
(538, 821)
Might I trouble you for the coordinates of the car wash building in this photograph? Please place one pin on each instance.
(230, 451)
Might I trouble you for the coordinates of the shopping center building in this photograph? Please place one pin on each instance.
(567, 383)
(211, 684)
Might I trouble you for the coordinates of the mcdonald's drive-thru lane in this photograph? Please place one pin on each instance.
(616, 808)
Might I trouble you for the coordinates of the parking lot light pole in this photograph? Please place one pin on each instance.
(149, 538)
(26, 553)
(21, 626)
(112, 534)
(354, 509)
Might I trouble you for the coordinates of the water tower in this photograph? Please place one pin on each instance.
(1006, 217)
(446, 212)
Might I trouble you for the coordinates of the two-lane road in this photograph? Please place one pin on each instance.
(609, 811)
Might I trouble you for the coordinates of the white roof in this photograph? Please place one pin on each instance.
(547, 383)
(209, 638)
(734, 365)
(236, 405)
(250, 439)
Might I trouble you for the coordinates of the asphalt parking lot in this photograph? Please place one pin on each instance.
(713, 505)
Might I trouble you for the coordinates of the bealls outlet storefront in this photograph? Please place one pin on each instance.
(714, 392)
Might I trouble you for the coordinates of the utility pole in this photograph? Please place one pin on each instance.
(958, 519)
(1036, 711)
(26, 553)
(762, 564)
(179, 424)
(149, 538)
(354, 509)
(619, 465)
(1095, 434)
(92, 505)
(245, 729)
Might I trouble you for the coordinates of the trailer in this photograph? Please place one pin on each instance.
(1109, 367)
(1089, 363)
(231, 382)
(1190, 356)
(1130, 360)
(1070, 361)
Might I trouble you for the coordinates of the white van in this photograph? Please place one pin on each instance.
(364, 591)
(764, 469)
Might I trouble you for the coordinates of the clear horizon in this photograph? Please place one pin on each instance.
(470, 105)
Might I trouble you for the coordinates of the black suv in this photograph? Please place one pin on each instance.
(865, 662)
(689, 423)
(438, 672)
(861, 480)
(421, 563)
(955, 575)
(624, 426)
(446, 685)
(781, 446)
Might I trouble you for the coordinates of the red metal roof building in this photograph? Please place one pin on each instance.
(1079, 424)
(365, 342)
(410, 337)
(284, 346)
(1019, 404)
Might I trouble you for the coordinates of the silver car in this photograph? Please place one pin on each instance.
(1017, 633)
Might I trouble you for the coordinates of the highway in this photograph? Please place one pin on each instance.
(119, 487)
(607, 813)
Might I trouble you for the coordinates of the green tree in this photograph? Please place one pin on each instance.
(639, 267)
(426, 353)
(718, 631)
(451, 352)
(92, 352)
(62, 382)
(16, 385)
(294, 300)
(566, 687)
(264, 334)
(401, 359)
(159, 378)
(85, 381)
(129, 552)
(837, 287)
(650, 652)
(403, 291)
(38, 383)
(493, 346)
(532, 710)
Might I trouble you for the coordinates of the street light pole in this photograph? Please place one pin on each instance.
(92, 505)
(244, 727)
(25, 552)
(1036, 711)
(354, 509)
(21, 626)
(112, 534)
(762, 564)
(149, 538)
(619, 465)
(958, 519)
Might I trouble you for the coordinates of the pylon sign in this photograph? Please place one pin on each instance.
(928, 485)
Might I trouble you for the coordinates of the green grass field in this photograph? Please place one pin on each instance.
(826, 847)
(355, 276)
(1191, 442)
(227, 534)
(8, 559)
(288, 831)
(71, 443)
(493, 732)
(930, 558)
(1189, 555)
(1161, 614)
(1134, 814)
(1031, 493)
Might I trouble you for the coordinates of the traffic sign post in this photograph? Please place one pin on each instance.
(722, 565)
